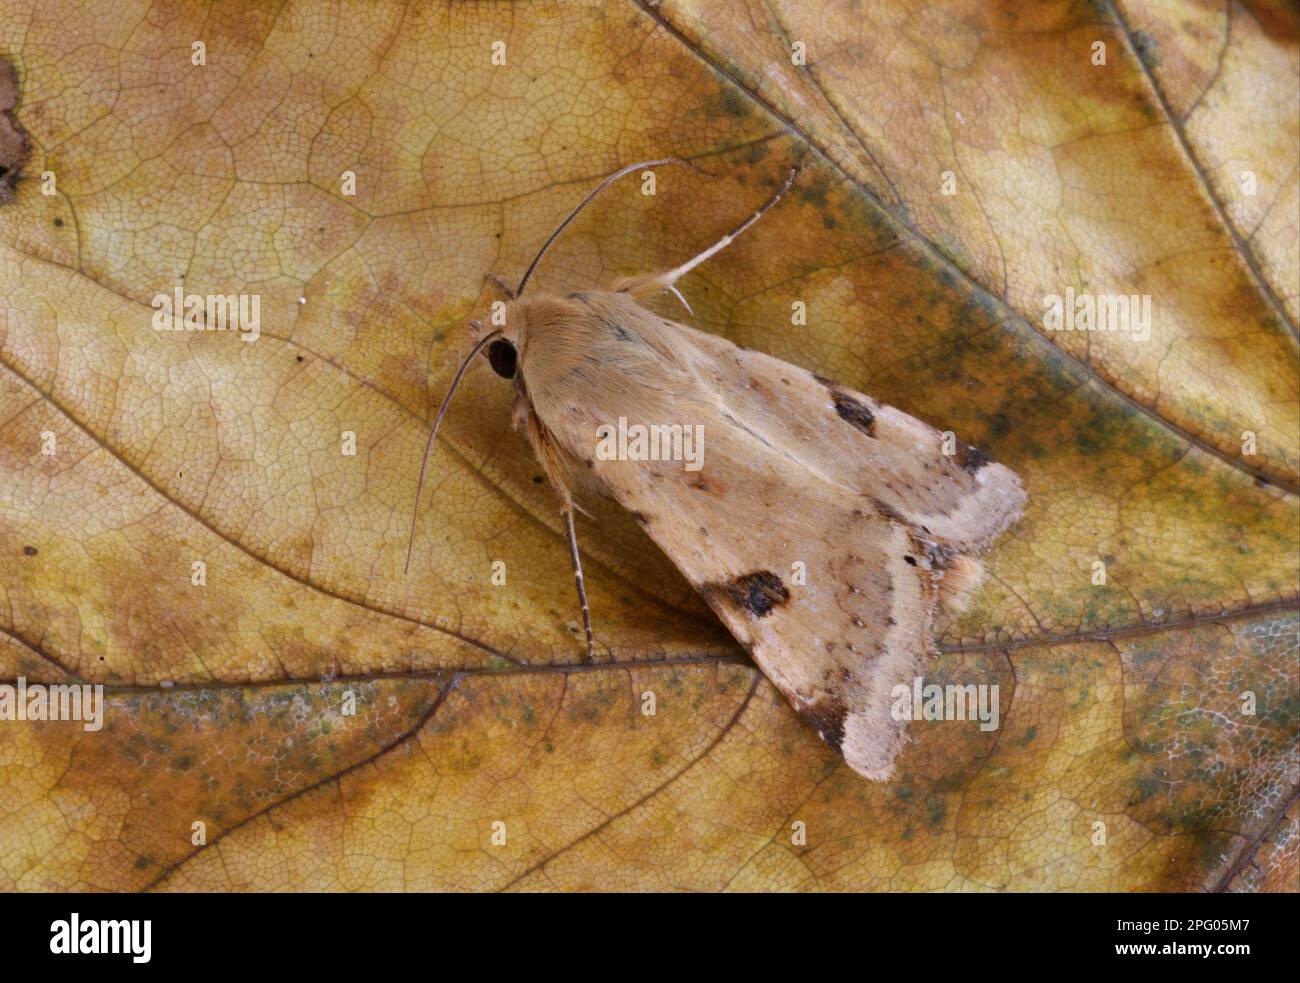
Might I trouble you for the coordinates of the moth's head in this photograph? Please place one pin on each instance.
(502, 352)
(517, 321)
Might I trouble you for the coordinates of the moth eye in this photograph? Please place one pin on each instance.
(503, 358)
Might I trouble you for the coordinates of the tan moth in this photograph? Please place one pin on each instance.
(881, 517)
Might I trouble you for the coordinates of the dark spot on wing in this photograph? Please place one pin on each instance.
(855, 411)
(697, 481)
(15, 146)
(30, 551)
(850, 408)
(936, 557)
(826, 716)
(969, 458)
(888, 511)
(758, 592)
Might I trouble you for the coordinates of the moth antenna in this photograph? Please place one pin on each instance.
(577, 579)
(428, 448)
(500, 284)
(587, 201)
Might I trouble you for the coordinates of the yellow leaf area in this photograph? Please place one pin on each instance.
(1148, 724)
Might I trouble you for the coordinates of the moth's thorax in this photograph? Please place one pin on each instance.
(548, 317)
(535, 317)
(555, 334)
(589, 358)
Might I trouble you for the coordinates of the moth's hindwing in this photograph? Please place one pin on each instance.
(820, 525)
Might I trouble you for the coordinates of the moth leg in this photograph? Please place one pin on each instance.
(577, 579)
(650, 285)
(499, 282)
(678, 294)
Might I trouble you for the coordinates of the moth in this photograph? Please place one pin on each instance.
(821, 526)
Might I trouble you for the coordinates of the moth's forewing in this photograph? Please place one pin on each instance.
(819, 524)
